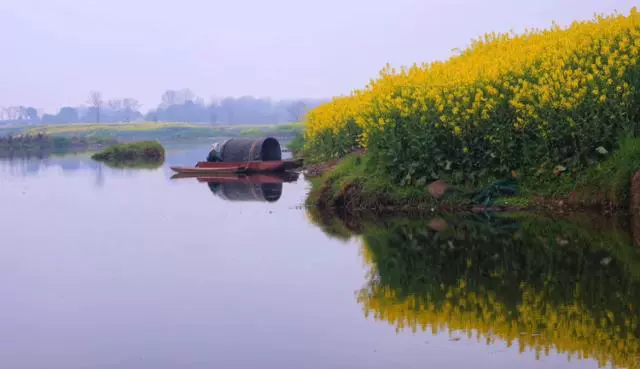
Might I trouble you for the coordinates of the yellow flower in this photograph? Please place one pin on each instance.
(529, 79)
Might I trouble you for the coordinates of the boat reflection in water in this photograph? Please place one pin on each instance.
(238, 187)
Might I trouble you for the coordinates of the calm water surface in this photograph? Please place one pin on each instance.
(109, 268)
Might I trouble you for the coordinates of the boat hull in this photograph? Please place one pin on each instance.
(258, 178)
(204, 167)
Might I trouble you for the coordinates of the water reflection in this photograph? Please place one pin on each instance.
(255, 187)
(31, 166)
(70, 165)
(571, 285)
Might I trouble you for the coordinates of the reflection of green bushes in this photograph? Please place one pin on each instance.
(539, 282)
(134, 164)
(330, 225)
(530, 244)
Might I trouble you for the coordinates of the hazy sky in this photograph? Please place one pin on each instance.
(52, 52)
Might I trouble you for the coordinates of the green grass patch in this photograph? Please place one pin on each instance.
(137, 154)
(357, 184)
(163, 131)
(296, 145)
(606, 182)
(291, 127)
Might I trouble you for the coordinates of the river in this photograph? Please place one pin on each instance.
(105, 268)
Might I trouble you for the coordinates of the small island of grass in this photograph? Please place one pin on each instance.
(136, 154)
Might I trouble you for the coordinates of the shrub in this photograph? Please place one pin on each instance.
(144, 151)
(525, 103)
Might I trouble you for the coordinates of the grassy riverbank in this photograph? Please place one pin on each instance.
(546, 110)
(43, 145)
(356, 184)
(165, 131)
(353, 184)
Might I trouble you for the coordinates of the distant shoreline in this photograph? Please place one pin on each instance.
(155, 130)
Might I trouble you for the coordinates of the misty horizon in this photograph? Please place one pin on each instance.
(175, 105)
(59, 50)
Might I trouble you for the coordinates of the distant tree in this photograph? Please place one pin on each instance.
(212, 110)
(95, 100)
(114, 111)
(67, 115)
(131, 107)
(32, 115)
(297, 110)
(48, 118)
(184, 106)
(186, 95)
(168, 98)
(11, 113)
(177, 97)
(115, 104)
(19, 114)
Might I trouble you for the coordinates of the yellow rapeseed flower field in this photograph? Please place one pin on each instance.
(507, 102)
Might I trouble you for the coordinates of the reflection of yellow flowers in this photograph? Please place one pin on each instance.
(529, 75)
(536, 325)
(536, 322)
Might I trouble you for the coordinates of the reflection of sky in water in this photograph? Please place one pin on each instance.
(114, 268)
(74, 164)
(81, 164)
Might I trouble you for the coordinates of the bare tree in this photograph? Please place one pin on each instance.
(186, 95)
(130, 106)
(95, 100)
(169, 98)
(115, 104)
(214, 104)
(12, 113)
(21, 113)
(115, 110)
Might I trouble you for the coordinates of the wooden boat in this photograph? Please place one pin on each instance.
(239, 178)
(204, 167)
(293, 164)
